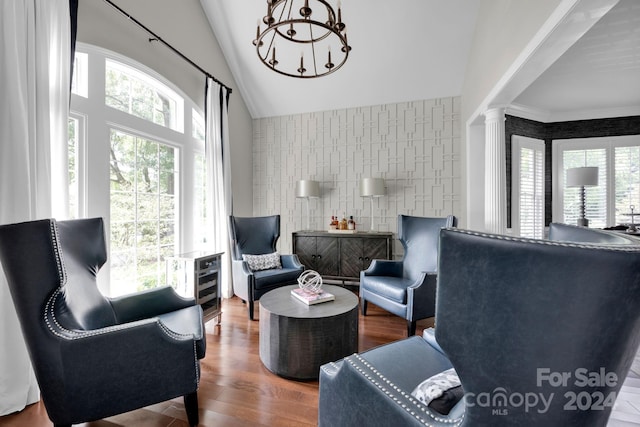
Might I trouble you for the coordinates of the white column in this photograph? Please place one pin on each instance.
(495, 181)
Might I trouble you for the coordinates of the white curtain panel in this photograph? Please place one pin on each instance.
(219, 202)
(34, 102)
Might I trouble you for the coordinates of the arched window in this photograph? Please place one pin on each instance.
(136, 151)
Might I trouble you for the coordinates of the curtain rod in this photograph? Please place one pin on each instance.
(158, 38)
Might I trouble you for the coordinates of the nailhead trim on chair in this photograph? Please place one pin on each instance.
(49, 313)
(603, 246)
(392, 391)
(398, 395)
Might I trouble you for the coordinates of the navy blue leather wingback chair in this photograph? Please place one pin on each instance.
(540, 333)
(407, 288)
(93, 356)
(258, 236)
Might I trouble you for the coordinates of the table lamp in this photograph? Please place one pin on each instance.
(308, 189)
(582, 177)
(372, 187)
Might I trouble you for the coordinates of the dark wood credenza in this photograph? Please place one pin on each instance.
(338, 256)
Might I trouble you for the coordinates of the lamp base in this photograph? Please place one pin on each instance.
(583, 222)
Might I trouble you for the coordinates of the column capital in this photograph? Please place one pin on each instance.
(495, 113)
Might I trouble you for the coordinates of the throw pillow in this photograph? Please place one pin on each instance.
(263, 262)
(440, 392)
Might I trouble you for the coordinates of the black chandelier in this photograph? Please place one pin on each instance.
(302, 35)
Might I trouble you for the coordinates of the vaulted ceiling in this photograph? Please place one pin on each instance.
(418, 49)
(402, 51)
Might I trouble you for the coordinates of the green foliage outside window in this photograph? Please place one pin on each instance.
(72, 152)
(143, 206)
(128, 92)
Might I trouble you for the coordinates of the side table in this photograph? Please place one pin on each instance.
(296, 339)
(197, 275)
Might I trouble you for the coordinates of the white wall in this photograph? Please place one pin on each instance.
(504, 29)
(184, 25)
(414, 146)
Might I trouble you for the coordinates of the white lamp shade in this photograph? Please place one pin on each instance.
(582, 177)
(307, 188)
(372, 187)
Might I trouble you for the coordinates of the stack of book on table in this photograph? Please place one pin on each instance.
(311, 298)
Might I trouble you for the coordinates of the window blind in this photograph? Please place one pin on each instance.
(627, 184)
(528, 197)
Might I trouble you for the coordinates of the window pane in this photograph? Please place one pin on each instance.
(147, 166)
(166, 166)
(595, 197)
(627, 167)
(123, 234)
(72, 150)
(532, 192)
(122, 162)
(138, 94)
(80, 80)
(197, 125)
(143, 212)
(199, 202)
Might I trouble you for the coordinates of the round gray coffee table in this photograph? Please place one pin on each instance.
(296, 339)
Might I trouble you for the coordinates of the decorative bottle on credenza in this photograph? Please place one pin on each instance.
(343, 222)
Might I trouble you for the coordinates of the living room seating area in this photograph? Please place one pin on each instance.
(382, 233)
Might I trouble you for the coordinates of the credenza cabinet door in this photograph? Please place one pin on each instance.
(356, 254)
(318, 253)
(341, 256)
(305, 248)
(327, 256)
(374, 248)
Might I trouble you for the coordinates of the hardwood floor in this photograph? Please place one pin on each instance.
(235, 388)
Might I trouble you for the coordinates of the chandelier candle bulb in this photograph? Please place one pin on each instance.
(306, 10)
(329, 64)
(268, 19)
(346, 46)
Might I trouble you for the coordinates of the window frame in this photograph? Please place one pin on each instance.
(608, 144)
(127, 67)
(99, 119)
(81, 164)
(537, 145)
